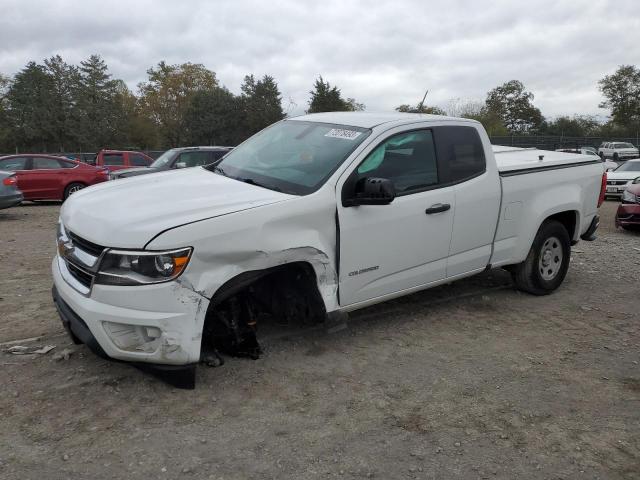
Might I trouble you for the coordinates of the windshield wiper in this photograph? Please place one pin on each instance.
(219, 170)
(251, 181)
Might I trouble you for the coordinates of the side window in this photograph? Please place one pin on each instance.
(193, 159)
(113, 159)
(407, 159)
(45, 164)
(460, 153)
(13, 164)
(138, 160)
(65, 164)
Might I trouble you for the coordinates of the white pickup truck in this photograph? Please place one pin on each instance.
(313, 217)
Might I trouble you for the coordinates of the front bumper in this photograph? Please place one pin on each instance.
(156, 327)
(628, 214)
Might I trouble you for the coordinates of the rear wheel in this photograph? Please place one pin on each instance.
(616, 157)
(547, 263)
(73, 188)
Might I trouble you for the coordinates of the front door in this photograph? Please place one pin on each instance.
(386, 249)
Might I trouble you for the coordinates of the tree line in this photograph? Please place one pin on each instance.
(55, 106)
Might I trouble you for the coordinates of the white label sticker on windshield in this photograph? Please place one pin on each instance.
(342, 133)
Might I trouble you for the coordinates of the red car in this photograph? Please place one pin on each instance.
(45, 177)
(119, 159)
(628, 214)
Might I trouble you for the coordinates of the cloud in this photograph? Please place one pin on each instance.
(382, 53)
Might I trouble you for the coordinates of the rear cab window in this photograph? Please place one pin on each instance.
(460, 153)
(113, 159)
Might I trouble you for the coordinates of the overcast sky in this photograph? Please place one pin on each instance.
(383, 53)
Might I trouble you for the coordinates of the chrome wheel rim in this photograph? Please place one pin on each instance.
(550, 258)
(75, 188)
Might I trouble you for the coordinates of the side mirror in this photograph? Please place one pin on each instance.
(373, 191)
(181, 165)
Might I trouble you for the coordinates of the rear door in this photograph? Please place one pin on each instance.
(462, 162)
(386, 249)
(46, 178)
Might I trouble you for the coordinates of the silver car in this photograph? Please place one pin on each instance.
(9, 193)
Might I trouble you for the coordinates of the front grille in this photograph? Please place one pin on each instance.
(617, 182)
(86, 245)
(80, 275)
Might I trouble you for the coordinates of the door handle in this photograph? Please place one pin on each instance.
(437, 208)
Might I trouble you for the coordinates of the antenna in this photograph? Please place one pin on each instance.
(421, 104)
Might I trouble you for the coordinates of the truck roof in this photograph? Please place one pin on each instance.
(370, 120)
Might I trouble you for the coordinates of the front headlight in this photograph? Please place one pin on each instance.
(627, 196)
(125, 267)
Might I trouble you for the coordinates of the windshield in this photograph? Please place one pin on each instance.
(291, 156)
(629, 167)
(164, 159)
(623, 145)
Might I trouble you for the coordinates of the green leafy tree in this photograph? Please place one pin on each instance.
(622, 96)
(513, 105)
(97, 103)
(262, 103)
(29, 102)
(215, 117)
(576, 126)
(325, 98)
(5, 125)
(63, 115)
(420, 108)
(168, 94)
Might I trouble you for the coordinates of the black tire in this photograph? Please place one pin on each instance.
(602, 156)
(72, 188)
(616, 157)
(544, 268)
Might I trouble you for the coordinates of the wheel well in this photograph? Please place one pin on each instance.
(288, 294)
(568, 219)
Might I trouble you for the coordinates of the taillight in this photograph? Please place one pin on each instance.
(104, 172)
(10, 181)
(603, 189)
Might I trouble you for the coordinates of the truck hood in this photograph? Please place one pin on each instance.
(134, 171)
(128, 213)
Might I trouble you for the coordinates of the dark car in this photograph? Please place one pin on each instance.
(9, 193)
(176, 158)
(47, 177)
(628, 214)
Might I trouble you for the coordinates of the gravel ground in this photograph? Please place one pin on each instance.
(472, 380)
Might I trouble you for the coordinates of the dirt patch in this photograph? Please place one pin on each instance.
(471, 380)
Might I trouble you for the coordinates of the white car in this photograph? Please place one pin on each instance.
(309, 219)
(622, 176)
(618, 151)
(608, 164)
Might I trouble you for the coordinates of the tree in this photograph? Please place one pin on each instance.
(420, 108)
(512, 104)
(5, 128)
(62, 117)
(168, 93)
(215, 117)
(29, 104)
(262, 103)
(622, 93)
(97, 104)
(576, 126)
(325, 98)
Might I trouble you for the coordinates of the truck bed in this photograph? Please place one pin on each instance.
(516, 161)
